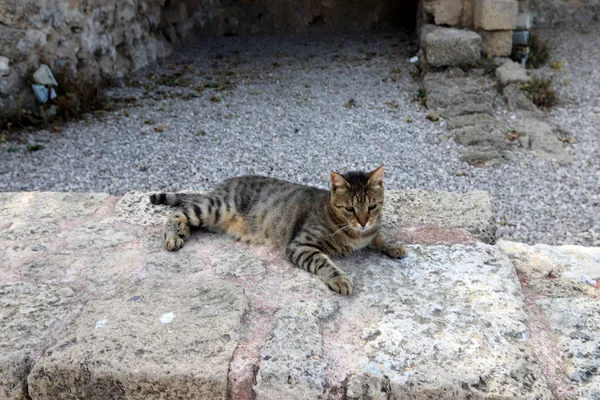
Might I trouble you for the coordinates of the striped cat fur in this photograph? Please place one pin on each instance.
(307, 223)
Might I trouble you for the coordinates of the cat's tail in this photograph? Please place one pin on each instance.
(170, 199)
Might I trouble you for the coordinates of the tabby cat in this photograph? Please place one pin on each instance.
(308, 223)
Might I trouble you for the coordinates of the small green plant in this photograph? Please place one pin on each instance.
(35, 147)
(421, 96)
(541, 92)
(557, 65)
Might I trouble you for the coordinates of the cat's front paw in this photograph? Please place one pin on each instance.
(341, 285)
(394, 251)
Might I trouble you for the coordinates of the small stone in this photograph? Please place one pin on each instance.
(4, 66)
(433, 117)
(43, 76)
(511, 72)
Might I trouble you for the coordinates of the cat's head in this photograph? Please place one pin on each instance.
(357, 198)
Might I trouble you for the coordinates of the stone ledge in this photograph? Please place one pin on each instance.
(224, 320)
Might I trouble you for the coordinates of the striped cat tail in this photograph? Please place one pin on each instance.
(170, 199)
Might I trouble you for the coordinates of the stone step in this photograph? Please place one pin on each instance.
(92, 307)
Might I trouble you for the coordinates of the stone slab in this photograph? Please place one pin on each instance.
(444, 91)
(450, 47)
(462, 121)
(556, 271)
(472, 212)
(472, 339)
(563, 305)
(576, 324)
(240, 322)
(152, 341)
(32, 317)
(540, 138)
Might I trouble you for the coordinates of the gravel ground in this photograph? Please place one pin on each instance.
(281, 106)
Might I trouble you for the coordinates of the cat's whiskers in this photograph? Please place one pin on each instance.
(341, 229)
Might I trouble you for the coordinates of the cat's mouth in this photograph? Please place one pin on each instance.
(362, 229)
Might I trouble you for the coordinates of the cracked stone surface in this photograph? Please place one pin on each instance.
(100, 310)
(32, 317)
(153, 340)
(561, 288)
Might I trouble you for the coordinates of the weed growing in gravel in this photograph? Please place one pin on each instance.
(421, 97)
(35, 147)
(557, 65)
(541, 92)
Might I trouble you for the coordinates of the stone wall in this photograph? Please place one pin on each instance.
(93, 37)
(115, 37)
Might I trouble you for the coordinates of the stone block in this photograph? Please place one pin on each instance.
(462, 121)
(512, 72)
(450, 47)
(152, 341)
(496, 43)
(444, 12)
(539, 137)
(556, 271)
(441, 362)
(31, 316)
(293, 363)
(448, 92)
(494, 15)
(575, 323)
(473, 212)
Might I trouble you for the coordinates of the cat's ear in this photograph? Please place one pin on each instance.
(337, 181)
(376, 177)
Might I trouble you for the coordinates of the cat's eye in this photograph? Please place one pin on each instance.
(372, 207)
(349, 209)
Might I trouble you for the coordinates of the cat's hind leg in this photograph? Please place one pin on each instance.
(177, 230)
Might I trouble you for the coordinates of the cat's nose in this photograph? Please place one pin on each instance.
(362, 220)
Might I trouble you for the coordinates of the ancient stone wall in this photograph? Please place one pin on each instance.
(94, 37)
(115, 37)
